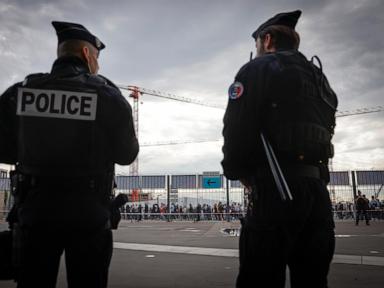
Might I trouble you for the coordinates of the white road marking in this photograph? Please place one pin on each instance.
(189, 230)
(177, 249)
(358, 259)
(220, 252)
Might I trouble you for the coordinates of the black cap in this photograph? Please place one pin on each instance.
(286, 19)
(67, 31)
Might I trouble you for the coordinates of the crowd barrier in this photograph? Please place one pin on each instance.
(377, 214)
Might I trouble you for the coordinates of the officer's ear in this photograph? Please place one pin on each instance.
(85, 53)
(268, 43)
(92, 63)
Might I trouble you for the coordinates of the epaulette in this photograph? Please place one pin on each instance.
(108, 82)
(95, 79)
(32, 77)
(100, 79)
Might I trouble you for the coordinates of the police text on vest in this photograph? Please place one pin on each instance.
(56, 104)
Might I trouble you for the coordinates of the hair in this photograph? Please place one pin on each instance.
(73, 47)
(283, 37)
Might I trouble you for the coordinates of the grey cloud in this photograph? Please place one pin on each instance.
(194, 49)
(346, 32)
(174, 160)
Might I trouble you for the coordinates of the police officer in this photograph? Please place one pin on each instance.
(65, 130)
(287, 99)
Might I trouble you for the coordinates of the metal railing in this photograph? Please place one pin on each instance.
(183, 216)
(338, 215)
(185, 190)
(374, 214)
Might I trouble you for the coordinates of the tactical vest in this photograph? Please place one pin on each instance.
(57, 131)
(300, 110)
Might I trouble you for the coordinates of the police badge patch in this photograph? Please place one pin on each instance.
(98, 43)
(235, 90)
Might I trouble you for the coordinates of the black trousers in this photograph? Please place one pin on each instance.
(362, 214)
(298, 233)
(87, 256)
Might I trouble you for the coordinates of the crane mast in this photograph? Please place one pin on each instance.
(135, 94)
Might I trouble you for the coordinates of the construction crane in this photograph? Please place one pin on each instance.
(359, 111)
(177, 142)
(136, 92)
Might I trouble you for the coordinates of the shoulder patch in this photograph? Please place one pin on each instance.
(235, 90)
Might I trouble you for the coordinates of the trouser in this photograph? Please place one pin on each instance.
(298, 234)
(362, 214)
(87, 257)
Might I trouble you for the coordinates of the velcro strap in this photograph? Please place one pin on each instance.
(74, 182)
(301, 170)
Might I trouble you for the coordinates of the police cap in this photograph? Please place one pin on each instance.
(67, 31)
(286, 19)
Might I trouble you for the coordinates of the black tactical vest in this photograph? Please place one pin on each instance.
(300, 110)
(57, 126)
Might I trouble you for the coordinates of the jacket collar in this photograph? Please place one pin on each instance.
(69, 65)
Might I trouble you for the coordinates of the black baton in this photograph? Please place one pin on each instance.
(278, 175)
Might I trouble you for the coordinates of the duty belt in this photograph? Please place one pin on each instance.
(292, 171)
(79, 182)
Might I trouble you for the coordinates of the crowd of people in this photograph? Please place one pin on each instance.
(372, 209)
(218, 211)
(362, 207)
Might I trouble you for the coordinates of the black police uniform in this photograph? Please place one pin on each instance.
(65, 130)
(288, 99)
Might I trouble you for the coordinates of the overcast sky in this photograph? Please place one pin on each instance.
(194, 48)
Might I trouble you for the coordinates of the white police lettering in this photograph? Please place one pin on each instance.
(56, 104)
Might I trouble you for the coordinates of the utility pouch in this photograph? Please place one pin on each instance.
(116, 204)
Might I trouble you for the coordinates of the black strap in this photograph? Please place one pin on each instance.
(322, 80)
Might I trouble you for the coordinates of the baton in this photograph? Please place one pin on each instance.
(278, 175)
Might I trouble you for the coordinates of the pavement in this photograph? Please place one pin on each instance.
(186, 254)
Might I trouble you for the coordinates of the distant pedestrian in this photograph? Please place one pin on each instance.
(362, 207)
(374, 206)
(198, 212)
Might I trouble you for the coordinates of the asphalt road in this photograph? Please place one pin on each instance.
(186, 254)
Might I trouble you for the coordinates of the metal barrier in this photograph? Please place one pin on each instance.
(342, 215)
(373, 215)
(182, 216)
(213, 192)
